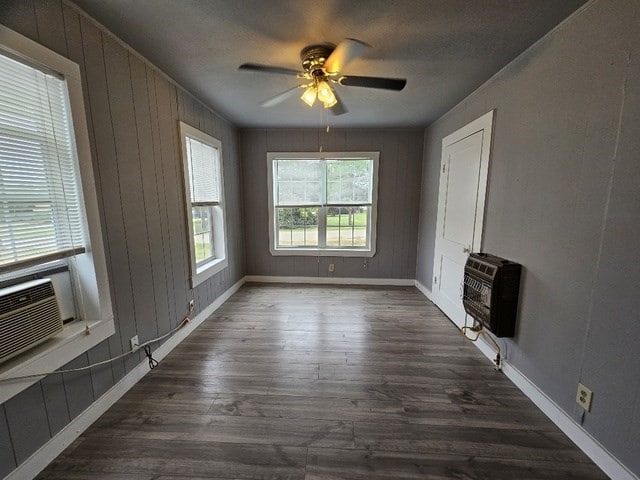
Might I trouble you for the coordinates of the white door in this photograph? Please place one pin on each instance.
(461, 198)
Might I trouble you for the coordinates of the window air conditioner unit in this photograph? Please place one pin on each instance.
(29, 315)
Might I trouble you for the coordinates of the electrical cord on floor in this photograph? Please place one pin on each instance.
(152, 361)
(478, 330)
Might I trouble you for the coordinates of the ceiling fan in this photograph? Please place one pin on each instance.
(322, 65)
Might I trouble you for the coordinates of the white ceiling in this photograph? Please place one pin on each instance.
(444, 48)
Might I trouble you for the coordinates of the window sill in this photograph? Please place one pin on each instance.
(325, 252)
(53, 354)
(208, 270)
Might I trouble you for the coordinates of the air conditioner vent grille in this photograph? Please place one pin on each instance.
(28, 296)
(35, 317)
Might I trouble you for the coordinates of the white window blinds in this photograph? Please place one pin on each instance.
(40, 212)
(204, 172)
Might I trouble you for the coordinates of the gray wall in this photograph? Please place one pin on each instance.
(564, 200)
(398, 194)
(133, 113)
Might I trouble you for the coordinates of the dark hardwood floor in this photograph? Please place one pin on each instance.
(317, 382)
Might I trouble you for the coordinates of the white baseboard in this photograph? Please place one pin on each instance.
(425, 291)
(401, 282)
(54, 447)
(578, 435)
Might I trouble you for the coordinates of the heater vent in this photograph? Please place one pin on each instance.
(490, 292)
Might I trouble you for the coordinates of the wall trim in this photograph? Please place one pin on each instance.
(403, 282)
(425, 291)
(42, 457)
(576, 433)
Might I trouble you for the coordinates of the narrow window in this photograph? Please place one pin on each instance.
(202, 157)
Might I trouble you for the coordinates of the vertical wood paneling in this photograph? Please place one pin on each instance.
(20, 15)
(183, 288)
(7, 458)
(398, 193)
(414, 184)
(27, 420)
(106, 166)
(76, 53)
(50, 25)
(398, 269)
(55, 401)
(131, 198)
(78, 387)
(164, 325)
(102, 376)
(168, 128)
(148, 178)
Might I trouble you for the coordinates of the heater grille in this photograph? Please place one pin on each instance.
(29, 315)
(490, 292)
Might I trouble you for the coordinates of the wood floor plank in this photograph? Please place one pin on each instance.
(324, 383)
(327, 464)
(183, 459)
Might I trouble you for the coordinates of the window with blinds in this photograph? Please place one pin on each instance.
(40, 211)
(322, 202)
(204, 183)
(205, 206)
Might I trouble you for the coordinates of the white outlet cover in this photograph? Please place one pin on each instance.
(584, 397)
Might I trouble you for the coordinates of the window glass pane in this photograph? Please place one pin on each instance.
(204, 176)
(298, 182)
(297, 227)
(347, 226)
(349, 181)
(202, 218)
(40, 209)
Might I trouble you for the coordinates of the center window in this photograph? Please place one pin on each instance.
(322, 203)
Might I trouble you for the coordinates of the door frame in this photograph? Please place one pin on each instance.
(484, 124)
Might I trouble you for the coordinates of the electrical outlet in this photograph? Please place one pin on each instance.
(584, 397)
(134, 342)
(332, 267)
(192, 305)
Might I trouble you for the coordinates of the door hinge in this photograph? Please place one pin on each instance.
(444, 167)
(435, 280)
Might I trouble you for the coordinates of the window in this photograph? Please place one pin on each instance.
(202, 158)
(49, 219)
(323, 203)
(40, 209)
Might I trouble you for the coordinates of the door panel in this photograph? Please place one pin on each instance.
(462, 189)
(463, 180)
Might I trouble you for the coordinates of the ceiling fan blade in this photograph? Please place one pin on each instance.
(347, 50)
(281, 97)
(339, 108)
(373, 82)
(256, 67)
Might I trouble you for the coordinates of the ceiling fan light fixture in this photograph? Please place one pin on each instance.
(309, 95)
(325, 93)
(331, 104)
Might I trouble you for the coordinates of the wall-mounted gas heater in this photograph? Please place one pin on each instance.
(29, 315)
(490, 293)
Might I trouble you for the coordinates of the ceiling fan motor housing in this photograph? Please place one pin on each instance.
(313, 58)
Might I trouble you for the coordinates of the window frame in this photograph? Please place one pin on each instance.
(201, 272)
(51, 174)
(322, 250)
(89, 269)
